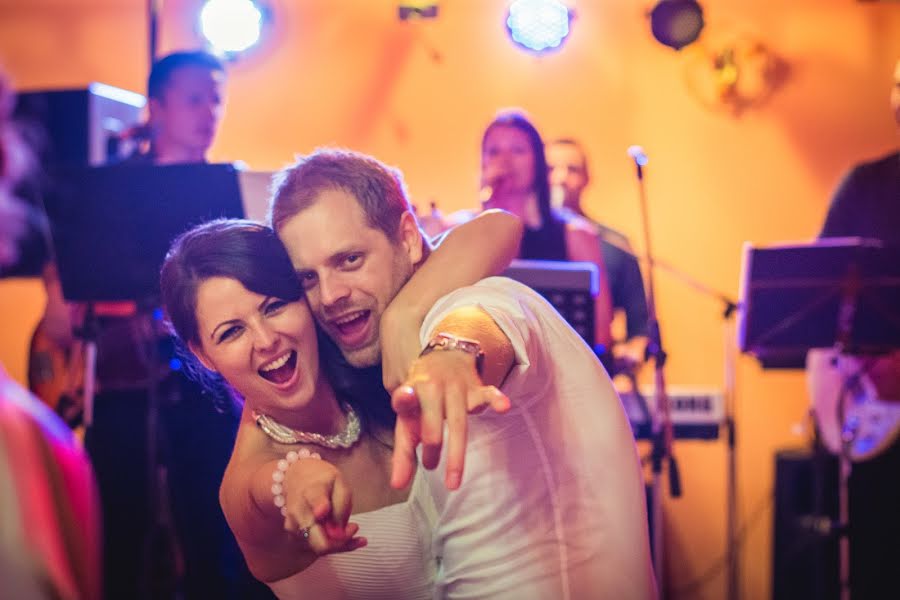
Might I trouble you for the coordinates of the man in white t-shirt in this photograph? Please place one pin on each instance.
(552, 502)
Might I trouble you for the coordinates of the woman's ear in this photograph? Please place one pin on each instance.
(201, 356)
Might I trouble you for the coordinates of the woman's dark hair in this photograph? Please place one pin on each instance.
(243, 250)
(234, 248)
(518, 120)
(252, 254)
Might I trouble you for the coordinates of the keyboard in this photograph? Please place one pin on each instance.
(697, 412)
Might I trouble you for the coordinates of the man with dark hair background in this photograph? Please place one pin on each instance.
(569, 176)
(867, 204)
(159, 460)
(186, 92)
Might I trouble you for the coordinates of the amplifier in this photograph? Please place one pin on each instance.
(77, 126)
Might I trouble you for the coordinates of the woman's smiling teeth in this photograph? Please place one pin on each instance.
(280, 369)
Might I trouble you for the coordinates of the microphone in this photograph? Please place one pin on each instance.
(138, 132)
(640, 159)
(486, 193)
(637, 154)
(557, 196)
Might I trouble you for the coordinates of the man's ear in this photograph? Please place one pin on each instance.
(410, 237)
(201, 356)
(153, 108)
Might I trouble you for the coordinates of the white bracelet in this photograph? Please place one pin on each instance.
(278, 476)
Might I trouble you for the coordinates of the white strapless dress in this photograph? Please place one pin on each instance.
(398, 563)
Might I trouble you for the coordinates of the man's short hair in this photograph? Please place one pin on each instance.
(378, 188)
(163, 68)
(566, 141)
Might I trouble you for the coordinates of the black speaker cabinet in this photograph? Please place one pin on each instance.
(805, 553)
(76, 127)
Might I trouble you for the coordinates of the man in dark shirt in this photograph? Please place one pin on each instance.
(164, 532)
(867, 204)
(569, 177)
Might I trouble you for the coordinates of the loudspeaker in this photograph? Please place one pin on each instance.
(805, 553)
(79, 126)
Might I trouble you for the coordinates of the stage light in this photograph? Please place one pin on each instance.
(231, 26)
(417, 10)
(676, 23)
(538, 25)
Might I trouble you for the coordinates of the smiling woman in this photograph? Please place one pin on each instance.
(265, 347)
(233, 298)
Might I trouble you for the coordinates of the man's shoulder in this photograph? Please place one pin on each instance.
(499, 292)
(876, 168)
(502, 284)
(888, 161)
(583, 224)
(613, 236)
(574, 222)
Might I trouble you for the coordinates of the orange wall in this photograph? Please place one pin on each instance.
(419, 94)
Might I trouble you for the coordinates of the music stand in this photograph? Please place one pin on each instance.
(569, 286)
(112, 226)
(794, 294)
(839, 292)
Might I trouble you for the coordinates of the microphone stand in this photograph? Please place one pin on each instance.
(154, 7)
(661, 432)
(88, 333)
(654, 347)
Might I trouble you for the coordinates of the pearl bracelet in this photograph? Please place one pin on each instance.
(278, 476)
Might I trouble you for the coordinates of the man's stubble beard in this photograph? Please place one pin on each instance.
(370, 356)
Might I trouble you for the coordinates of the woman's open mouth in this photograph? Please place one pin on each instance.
(281, 369)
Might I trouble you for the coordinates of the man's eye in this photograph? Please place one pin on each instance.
(308, 280)
(353, 259)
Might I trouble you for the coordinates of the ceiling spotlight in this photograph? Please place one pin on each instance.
(231, 26)
(538, 25)
(676, 23)
(417, 9)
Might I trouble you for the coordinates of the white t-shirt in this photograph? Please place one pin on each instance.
(552, 501)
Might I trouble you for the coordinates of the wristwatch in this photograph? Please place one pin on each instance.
(448, 341)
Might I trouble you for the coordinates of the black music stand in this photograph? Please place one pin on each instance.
(842, 293)
(112, 226)
(569, 286)
(801, 296)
